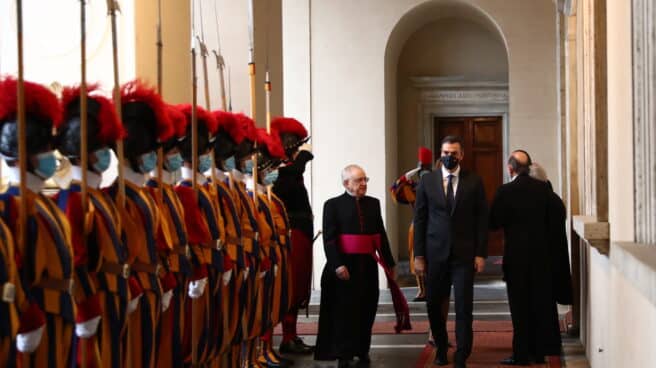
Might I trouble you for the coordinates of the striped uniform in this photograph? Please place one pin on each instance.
(105, 256)
(140, 221)
(174, 251)
(45, 263)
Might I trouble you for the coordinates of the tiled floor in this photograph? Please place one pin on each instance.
(404, 351)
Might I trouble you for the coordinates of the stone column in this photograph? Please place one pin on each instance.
(644, 123)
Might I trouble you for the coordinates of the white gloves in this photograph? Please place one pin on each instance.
(247, 270)
(226, 277)
(261, 274)
(86, 329)
(134, 303)
(29, 341)
(166, 300)
(197, 288)
(275, 270)
(411, 173)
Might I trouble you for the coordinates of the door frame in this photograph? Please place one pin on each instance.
(504, 134)
(444, 97)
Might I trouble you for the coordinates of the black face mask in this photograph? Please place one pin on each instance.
(449, 162)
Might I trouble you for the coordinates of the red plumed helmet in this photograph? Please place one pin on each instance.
(40, 103)
(203, 116)
(138, 91)
(228, 123)
(425, 156)
(271, 142)
(102, 108)
(225, 120)
(179, 121)
(247, 126)
(290, 126)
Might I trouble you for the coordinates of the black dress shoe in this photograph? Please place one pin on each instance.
(538, 360)
(441, 359)
(343, 363)
(460, 365)
(364, 360)
(295, 346)
(419, 299)
(511, 360)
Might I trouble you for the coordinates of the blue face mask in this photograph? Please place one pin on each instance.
(270, 177)
(46, 165)
(204, 162)
(148, 162)
(230, 164)
(103, 157)
(248, 166)
(173, 162)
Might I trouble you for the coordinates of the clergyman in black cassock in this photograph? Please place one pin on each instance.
(349, 300)
(522, 208)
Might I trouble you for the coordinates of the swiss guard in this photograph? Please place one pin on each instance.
(272, 225)
(403, 192)
(256, 267)
(97, 233)
(289, 187)
(205, 236)
(147, 124)
(227, 201)
(172, 247)
(229, 139)
(45, 259)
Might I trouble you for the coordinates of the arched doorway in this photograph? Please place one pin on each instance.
(447, 73)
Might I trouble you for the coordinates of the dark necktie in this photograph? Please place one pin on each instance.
(449, 194)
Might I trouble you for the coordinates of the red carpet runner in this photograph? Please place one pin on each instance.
(492, 343)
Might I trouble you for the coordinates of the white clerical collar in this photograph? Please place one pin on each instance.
(512, 178)
(186, 174)
(34, 183)
(353, 194)
(446, 173)
(93, 179)
(136, 178)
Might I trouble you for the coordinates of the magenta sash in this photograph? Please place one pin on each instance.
(371, 244)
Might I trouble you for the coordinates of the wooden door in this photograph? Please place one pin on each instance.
(483, 146)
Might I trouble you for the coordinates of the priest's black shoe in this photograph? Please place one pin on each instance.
(441, 359)
(343, 363)
(295, 346)
(364, 360)
(460, 365)
(511, 360)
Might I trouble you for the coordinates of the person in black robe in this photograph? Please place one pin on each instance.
(352, 231)
(558, 245)
(522, 208)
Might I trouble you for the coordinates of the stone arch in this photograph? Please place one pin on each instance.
(409, 24)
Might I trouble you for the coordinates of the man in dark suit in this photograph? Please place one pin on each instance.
(451, 229)
(522, 208)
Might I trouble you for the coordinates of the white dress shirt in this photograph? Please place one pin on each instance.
(454, 181)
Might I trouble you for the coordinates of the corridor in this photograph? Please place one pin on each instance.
(492, 331)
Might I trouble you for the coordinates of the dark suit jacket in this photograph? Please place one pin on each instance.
(521, 207)
(460, 235)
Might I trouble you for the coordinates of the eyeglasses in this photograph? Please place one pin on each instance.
(360, 180)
